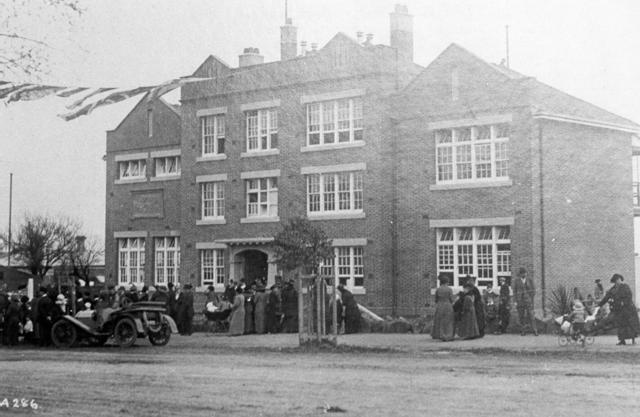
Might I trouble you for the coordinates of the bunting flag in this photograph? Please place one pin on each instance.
(89, 98)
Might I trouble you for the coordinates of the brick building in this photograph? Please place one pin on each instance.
(460, 167)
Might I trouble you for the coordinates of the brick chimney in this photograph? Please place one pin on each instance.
(402, 32)
(250, 56)
(288, 40)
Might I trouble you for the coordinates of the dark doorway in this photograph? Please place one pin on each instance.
(255, 266)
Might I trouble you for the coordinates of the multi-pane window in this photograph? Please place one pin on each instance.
(336, 121)
(212, 200)
(347, 266)
(483, 252)
(262, 197)
(131, 260)
(167, 166)
(134, 169)
(213, 135)
(212, 267)
(472, 153)
(335, 192)
(167, 257)
(262, 130)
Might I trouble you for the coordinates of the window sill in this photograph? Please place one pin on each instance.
(203, 222)
(267, 152)
(474, 184)
(218, 288)
(336, 216)
(313, 148)
(260, 219)
(165, 178)
(130, 181)
(207, 158)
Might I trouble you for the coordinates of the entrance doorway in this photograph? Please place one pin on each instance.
(255, 266)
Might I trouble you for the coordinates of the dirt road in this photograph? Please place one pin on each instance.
(222, 377)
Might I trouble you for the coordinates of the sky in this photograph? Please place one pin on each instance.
(588, 48)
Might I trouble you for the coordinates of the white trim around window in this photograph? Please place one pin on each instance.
(258, 105)
(212, 202)
(483, 252)
(212, 267)
(335, 194)
(166, 259)
(259, 174)
(213, 136)
(480, 120)
(488, 221)
(347, 266)
(261, 197)
(334, 95)
(472, 156)
(131, 170)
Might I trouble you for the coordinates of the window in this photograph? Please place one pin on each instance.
(212, 267)
(131, 260)
(212, 200)
(167, 166)
(213, 135)
(336, 121)
(335, 192)
(469, 154)
(483, 252)
(350, 266)
(262, 197)
(134, 169)
(150, 122)
(167, 256)
(262, 130)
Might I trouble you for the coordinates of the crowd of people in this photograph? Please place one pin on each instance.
(254, 309)
(468, 314)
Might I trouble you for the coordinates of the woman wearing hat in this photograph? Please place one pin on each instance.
(443, 320)
(468, 325)
(625, 315)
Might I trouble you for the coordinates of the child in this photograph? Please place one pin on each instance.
(577, 318)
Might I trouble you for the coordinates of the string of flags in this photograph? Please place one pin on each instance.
(87, 98)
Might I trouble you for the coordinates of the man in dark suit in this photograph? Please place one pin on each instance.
(524, 292)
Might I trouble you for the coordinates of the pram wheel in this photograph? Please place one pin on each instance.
(563, 340)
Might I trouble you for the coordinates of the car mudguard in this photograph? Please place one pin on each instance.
(172, 324)
(80, 324)
(139, 326)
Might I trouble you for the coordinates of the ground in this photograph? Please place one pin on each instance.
(368, 375)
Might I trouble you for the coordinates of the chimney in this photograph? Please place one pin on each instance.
(314, 47)
(303, 48)
(250, 56)
(359, 36)
(402, 32)
(288, 40)
(369, 39)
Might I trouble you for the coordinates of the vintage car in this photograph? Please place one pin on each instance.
(124, 324)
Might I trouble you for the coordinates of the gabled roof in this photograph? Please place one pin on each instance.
(544, 100)
(174, 108)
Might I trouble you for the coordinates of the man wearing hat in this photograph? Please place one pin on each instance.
(184, 307)
(524, 292)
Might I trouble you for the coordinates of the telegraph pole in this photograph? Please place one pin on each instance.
(507, 43)
(10, 205)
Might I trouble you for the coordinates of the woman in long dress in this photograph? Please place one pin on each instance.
(468, 325)
(236, 325)
(623, 311)
(443, 320)
(260, 309)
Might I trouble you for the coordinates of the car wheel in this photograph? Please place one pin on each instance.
(64, 334)
(125, 333)
(161, 337)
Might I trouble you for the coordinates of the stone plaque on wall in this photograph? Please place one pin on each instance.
(148, 203)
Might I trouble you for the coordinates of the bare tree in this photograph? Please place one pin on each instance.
(85, 254)
(28, 31)
(43, 241)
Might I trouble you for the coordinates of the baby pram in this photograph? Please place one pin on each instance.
(567, 334)
(217, 317)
